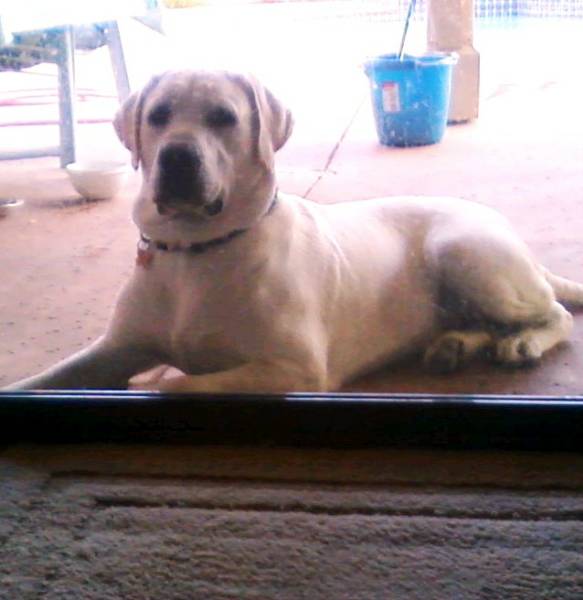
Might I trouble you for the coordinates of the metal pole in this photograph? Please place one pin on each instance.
(406, 29)
(117, 60)
(66, 69)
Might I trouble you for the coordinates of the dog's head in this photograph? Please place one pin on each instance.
(206, 144)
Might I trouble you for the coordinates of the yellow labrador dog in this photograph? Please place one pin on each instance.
(246, 289)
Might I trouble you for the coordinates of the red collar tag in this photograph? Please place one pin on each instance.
(145, 255)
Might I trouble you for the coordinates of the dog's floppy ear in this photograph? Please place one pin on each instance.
(128, 120)
(272, 122)
(124, 124)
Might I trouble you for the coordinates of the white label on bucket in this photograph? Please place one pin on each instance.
(391, 102)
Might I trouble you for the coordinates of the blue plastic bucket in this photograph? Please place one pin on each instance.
(410, 97)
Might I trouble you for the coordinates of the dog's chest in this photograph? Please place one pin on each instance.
(201, 314)
(204, 334)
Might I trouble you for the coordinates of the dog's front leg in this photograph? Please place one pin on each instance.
(258, 377)
(103, 365)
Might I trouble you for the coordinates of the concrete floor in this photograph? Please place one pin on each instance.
(63, 259)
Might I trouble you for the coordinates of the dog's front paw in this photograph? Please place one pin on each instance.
(518, 350)
(446, 354)
(159, 379)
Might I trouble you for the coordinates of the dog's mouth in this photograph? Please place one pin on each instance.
(180, 209)
(181, 185)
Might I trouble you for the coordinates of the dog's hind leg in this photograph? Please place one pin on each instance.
(495, 275)
(529, 344)
(454, 348)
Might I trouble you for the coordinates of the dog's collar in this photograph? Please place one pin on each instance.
(146, 245)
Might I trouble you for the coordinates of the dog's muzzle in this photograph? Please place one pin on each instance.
(181, 181)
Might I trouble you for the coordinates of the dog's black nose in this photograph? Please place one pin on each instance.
(179, 157)
(180, 165)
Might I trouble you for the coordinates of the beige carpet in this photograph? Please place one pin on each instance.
(241, 523)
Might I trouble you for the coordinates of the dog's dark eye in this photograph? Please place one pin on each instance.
(159, 116)
(221, 116)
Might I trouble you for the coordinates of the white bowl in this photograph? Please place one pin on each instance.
(97, 180)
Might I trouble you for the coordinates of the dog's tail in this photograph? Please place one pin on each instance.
(567, 291)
